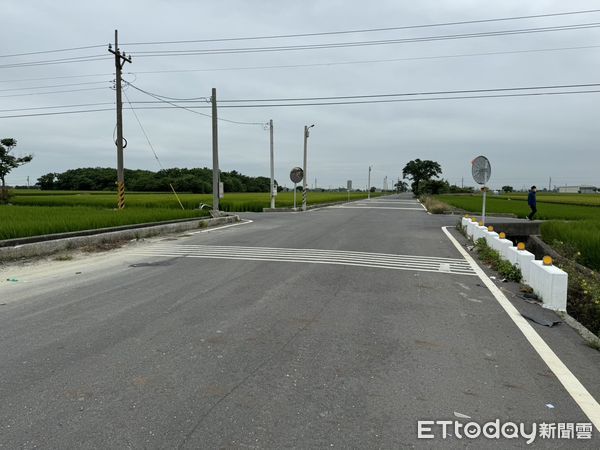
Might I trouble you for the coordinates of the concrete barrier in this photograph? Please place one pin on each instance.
(512, 255)
(550, 284)
(490, 236)
(470, 228)
(502, 246)
(48, 247)
(524, 260)
(479, 232)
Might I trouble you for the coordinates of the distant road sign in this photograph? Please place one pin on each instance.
(349, 185)
(296, 174)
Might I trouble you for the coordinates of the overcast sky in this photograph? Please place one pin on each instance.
(527, 139)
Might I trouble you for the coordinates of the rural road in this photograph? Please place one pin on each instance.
(336, 328)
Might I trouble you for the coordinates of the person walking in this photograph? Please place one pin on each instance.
(532, 202)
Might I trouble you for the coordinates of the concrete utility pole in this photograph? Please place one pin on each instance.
(369, 185)
(215, 152)
(272, 164)
(120, 60)
(304, 182)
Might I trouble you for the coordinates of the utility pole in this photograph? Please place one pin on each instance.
(462, 182)
(369, 185)
(272, 164)
(215, 153)
(120, 60)
(305, 177)
(550, 184)
(27, 181)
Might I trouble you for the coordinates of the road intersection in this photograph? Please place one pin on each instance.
(342, 327)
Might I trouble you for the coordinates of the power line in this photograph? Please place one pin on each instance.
(53, 92)
(152, 94)
(368, 61)
(81, 105)
(397, 100)
(262, 105)
(463, 91)
(161, 99)
(87, 47)
(240, 50)
(48, 62)
(56, 113)
(326, 33)
(56, 78)
(368, 30)
(53, 86)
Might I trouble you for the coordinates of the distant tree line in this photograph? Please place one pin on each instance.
(183, 180)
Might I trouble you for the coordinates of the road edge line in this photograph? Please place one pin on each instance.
(573, 386)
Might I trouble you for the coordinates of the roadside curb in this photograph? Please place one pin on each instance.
(587, 335)
(48, 247)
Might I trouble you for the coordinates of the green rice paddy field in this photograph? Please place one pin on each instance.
(33, 212)
(572, 220)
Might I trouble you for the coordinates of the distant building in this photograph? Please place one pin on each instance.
(583, 189)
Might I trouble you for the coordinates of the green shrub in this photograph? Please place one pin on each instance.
(490, 256)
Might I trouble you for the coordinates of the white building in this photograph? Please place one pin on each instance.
(583, 189)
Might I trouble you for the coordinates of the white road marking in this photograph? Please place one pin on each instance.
(576, 390)
(208, 230)
(379, 207)
(312, 256)
(387, 202)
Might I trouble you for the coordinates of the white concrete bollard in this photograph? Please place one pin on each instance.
(489, 236)
(470, 228)
(479, 232)
(512, 255)
(524, 259)
(550, 284)
(503, 246)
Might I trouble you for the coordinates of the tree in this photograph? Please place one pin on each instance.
(9, 162)
(401, 186)
(419, 171)
(507, 189)
(435, 187)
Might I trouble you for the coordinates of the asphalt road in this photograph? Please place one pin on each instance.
(341, 327)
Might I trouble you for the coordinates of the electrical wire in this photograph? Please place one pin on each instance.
(397, 100)
(49, 62)
(240, 50)
(56, 113)
(326, 33)
(87, 47)
(262, 105)
(52, 86)
(462, 91)
(57, 78)
(81, 105)
(150, 145)
(54, 92)
(161, 99)
(368, 61)
(368, 30)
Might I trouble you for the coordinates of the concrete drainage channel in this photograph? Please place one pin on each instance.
(46, 245)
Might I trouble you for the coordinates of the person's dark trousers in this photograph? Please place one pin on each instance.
(532, 213)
